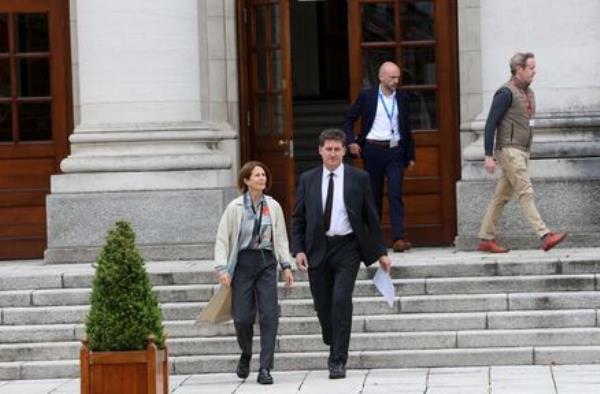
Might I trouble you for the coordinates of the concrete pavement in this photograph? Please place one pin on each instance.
(563, 379)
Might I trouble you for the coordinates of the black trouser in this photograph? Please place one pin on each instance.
(331, 285)
(255, 282)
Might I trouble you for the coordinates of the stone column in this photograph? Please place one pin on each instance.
(565, 165)
(145, 147)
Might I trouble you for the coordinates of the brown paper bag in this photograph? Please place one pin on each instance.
(218, 309)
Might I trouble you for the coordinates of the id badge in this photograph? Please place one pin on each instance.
(394, 142)
(531, 122)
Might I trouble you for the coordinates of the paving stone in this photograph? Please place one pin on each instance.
(567, 355)
(372, 341)
(15, 298)
(39, 351)
(42, 315)
(10, 371)
(576, 265)
(542, 319)
(529, 337)
(559, 300)
(473, 377)
(484, 285)
(447, 357)
(50, 369)
(61, 297)
(26, 282)
(453, 303)
(184, 293)
(318, 382)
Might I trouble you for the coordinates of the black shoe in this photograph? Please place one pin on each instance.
(264, 376)
(337, 371)
(243, 367)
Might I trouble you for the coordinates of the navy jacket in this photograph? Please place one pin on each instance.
(308, 232)
(365, 107)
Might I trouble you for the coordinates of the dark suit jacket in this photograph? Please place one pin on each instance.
(365, 107)
(308, 232)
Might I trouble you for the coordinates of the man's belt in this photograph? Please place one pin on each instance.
(385, 143)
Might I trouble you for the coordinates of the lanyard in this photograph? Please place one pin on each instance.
(390, 115)
(257, 218)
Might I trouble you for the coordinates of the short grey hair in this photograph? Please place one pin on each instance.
(332, 134)
(519, 59)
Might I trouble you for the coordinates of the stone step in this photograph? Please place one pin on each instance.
(362, 306)
(310, 325)
(364, 287)
(371, 341)
(201, 272)
(184, 365)
(401, 359)
(313, 343)
(48, 351)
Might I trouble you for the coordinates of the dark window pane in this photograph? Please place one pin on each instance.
(372, 59)
(260, 23)
(276, 70)
(263, 115)
(261, 60)
(422, 109)
(275, 24)
(35, 122)
(418, 66)
(378, 22)
(417, 20)
(3, 33)
(5, 123)
(277, 111)
(33, 77)
(32, 33)
(4, 78)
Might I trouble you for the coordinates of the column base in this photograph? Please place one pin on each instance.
(169, 224)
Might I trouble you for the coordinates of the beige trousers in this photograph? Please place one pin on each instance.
(513, 181)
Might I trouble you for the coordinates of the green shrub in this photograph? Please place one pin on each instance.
(124, 310)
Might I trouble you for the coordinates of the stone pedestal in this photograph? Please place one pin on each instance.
(141, 150)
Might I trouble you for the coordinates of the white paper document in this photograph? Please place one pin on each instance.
(383, 282)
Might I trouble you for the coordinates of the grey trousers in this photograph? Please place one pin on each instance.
(255, 284)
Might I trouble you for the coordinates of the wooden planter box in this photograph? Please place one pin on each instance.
(135, 372)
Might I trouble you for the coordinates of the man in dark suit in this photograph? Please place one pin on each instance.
(385, 142)
(334, 227)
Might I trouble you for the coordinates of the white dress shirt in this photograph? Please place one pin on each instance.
(382, 128)
(340, 225)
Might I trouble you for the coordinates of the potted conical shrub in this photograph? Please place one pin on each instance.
(124, 350)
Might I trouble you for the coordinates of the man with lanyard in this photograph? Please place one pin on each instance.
(511, 118)
(385, 143)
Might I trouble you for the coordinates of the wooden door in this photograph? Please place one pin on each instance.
(265, 92)
(35, 118)
(419, 36)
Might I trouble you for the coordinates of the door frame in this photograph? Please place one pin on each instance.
(447, 105)
(248, 145)
(31, 243)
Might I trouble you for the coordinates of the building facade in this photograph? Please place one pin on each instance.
(144, 111)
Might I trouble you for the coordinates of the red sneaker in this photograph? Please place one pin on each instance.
(490, 246)
(552, 239)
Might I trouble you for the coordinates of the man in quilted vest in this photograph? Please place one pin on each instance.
(511, 119)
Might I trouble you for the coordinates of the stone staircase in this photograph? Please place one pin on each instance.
(452, 309)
